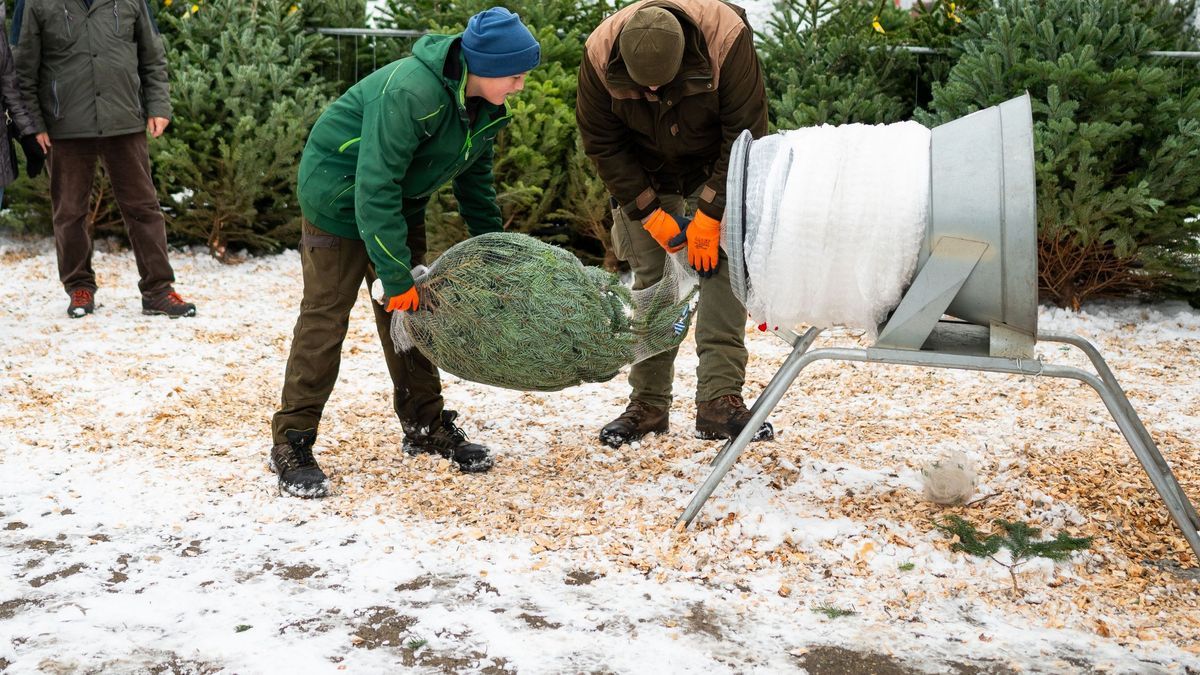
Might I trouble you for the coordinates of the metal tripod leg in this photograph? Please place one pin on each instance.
(758, 414)
(801, 343)
(1144, 448)
(1104, 382)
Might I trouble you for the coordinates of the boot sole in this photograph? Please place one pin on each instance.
(318, 492)
(479, 466)
(765, 433)
(614, 440)
(155, 312)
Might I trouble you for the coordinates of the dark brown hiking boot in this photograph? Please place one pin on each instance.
(169, 305)
(638, 420)
(83, 302)
(299, 474)
(450, 442)
(724, 417)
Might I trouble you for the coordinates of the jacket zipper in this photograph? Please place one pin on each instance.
(469, 141)
(116, 18)
(67, 19)
(54, 91)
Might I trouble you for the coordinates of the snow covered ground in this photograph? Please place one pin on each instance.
(140, 530)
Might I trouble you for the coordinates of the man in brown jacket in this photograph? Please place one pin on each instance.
(665, 88)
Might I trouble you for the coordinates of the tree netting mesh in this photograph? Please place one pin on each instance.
(824, 225)
(511, 311)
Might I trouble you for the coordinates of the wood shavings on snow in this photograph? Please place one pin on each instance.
(829, 513)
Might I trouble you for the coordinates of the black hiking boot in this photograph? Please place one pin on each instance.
(450, 442)
(168, 305)
(638, 420)
(83, 302)
(724, 417)
(298, 472)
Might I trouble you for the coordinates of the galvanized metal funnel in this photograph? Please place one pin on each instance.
(978, 259)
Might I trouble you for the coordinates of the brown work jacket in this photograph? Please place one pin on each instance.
(677, 139)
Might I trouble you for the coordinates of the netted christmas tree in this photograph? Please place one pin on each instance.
(511, 311)
(1117, 135)
(245, 93)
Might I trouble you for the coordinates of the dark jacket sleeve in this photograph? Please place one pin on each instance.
(27, 54)
(152, 65)
(743, 105)
(606, 141)
(475, 190)
(10, 89)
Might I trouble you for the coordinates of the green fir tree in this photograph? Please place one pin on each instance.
(842, 61)
(1117, 136)
(245, 92)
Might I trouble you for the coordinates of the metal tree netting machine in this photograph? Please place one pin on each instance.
(969, 301)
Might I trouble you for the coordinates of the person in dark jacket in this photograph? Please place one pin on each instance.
(372, 161)
(665, 87)
(94, 75)
(20, 123)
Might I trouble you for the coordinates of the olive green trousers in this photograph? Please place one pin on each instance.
(720, 322)
(334, 271)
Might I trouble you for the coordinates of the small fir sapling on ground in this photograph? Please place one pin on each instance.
(1019, 538)
(833, 612)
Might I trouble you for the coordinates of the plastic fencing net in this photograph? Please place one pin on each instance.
(824, 224)
(511, 311)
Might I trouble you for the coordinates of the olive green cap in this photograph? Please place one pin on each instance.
(652, 46)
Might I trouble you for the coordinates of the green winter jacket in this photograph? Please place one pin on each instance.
(378, 152)
(90, 72)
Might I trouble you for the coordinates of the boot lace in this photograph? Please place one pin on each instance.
(734, 403)
(80, 297)
(299, 455)
(635, 412)
(174, 298)
(456, 434)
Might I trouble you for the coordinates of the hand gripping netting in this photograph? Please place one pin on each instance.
(511, 311)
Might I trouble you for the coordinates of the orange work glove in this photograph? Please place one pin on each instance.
(704, 241)
(663, 227)
(405, 302)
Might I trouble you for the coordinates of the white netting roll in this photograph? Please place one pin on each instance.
(834, 222)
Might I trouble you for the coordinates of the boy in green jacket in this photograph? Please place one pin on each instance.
(370, 165)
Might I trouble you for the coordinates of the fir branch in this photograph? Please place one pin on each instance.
(1022, 541)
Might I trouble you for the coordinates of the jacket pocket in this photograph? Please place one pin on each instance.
(123, 18)
(321, 262)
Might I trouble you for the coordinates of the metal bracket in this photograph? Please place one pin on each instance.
(944, 273)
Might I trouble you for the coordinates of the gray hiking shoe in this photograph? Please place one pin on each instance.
(168, 305)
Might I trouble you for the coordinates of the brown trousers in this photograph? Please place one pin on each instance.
(334, 270)
(72, 163)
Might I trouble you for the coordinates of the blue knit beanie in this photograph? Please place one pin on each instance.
(497, 44)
